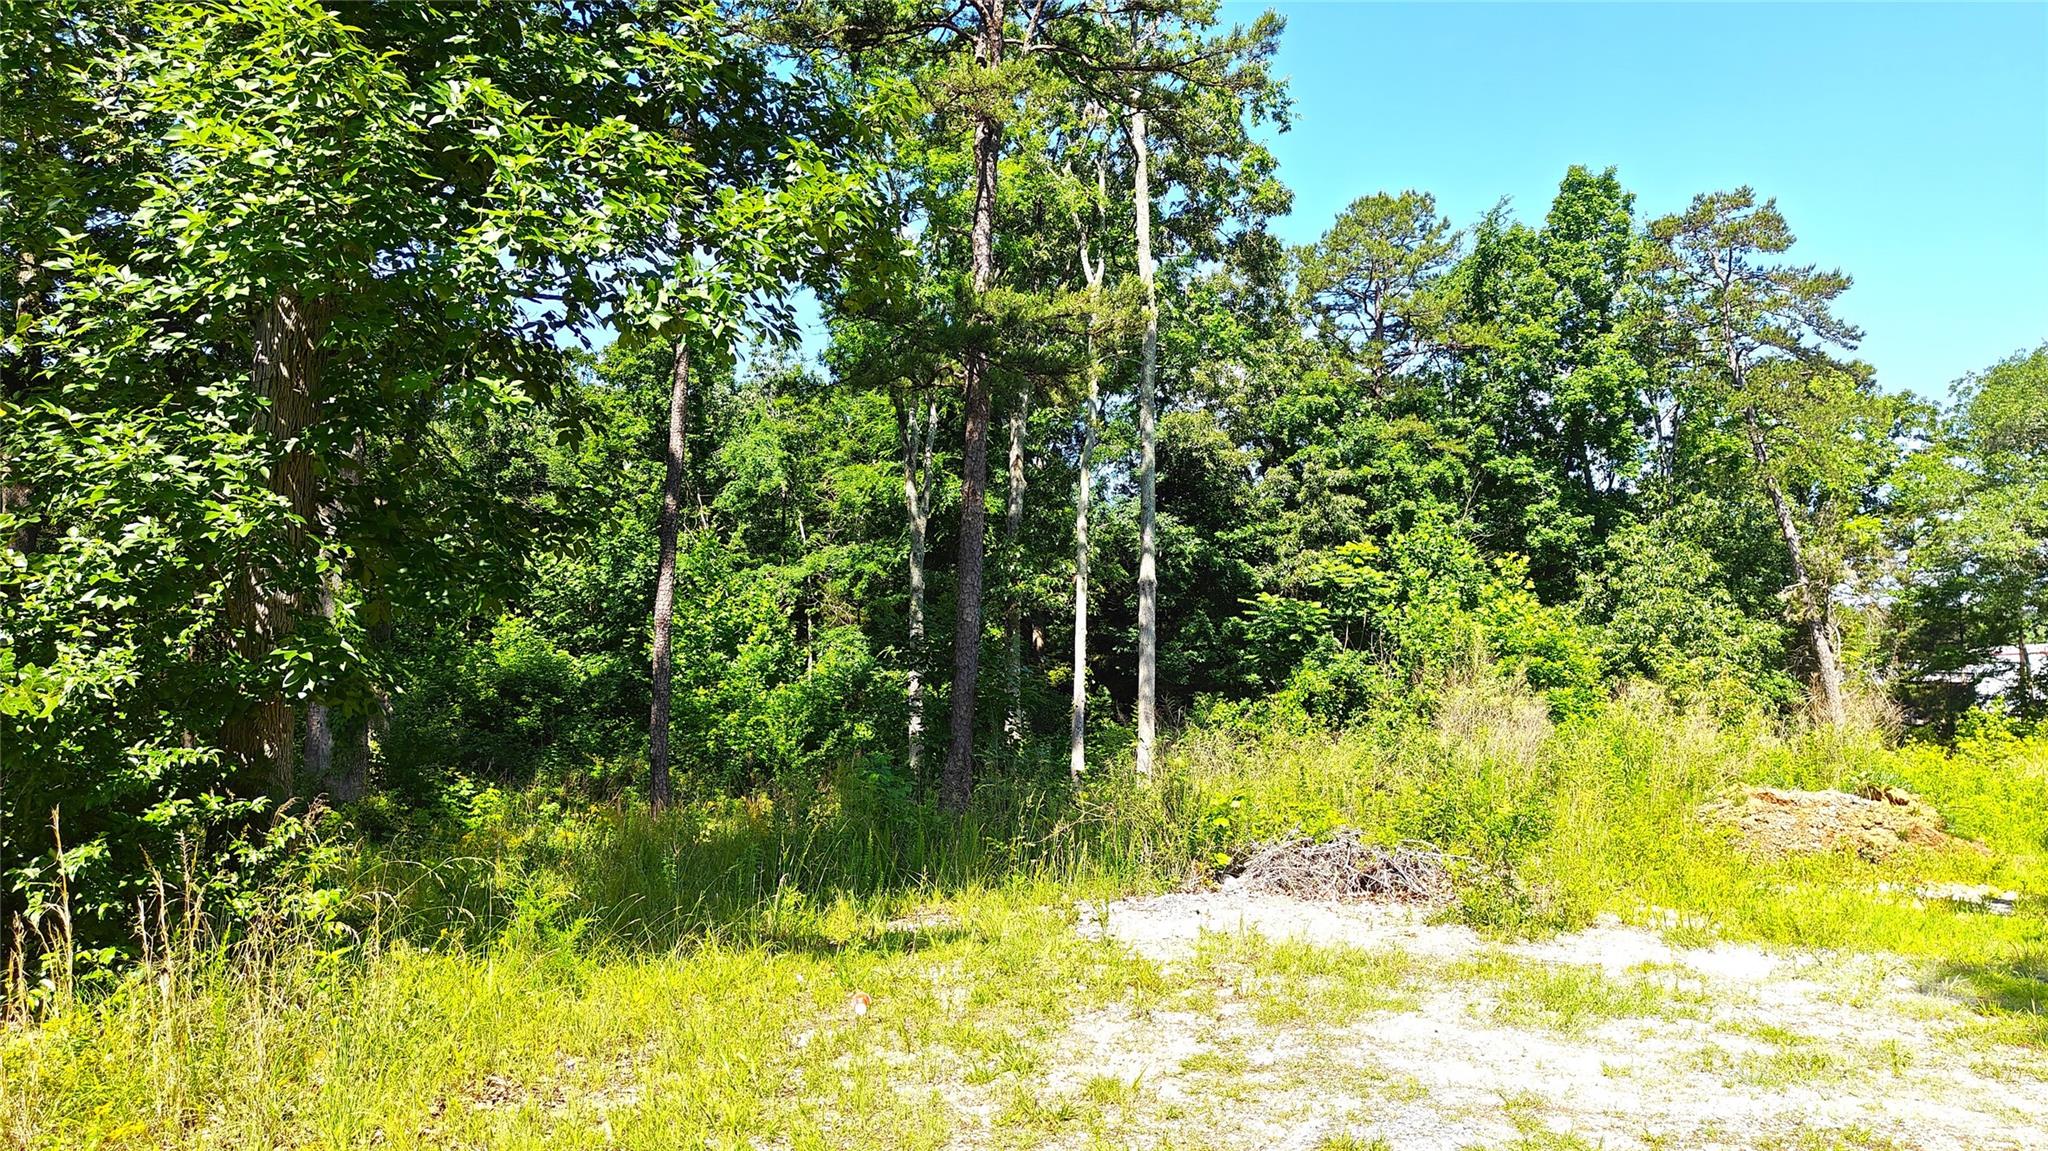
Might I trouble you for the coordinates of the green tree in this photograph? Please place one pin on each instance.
(1762, 331)
(1376, 285)
(330, 236)
(776, 196)
(1972, 516)
(1555, 387)
(1202, 90)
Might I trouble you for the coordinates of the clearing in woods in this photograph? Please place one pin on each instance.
(1034, 1016)
(1316, 1025)
(1841, 973)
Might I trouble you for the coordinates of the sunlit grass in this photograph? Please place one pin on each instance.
(531, 1045)
(571, 978)
(1570, 998)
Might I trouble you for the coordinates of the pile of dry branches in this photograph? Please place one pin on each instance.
(1343, 868)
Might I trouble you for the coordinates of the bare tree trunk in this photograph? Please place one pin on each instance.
(1077, 738)
(2025, 683)
(352, 752)
(285, 372)
(1013, 532)
(319, 749)
(1148, 458)
(956, 780)
(351, 778)
(917, 505)
(347, 773)
(319, 752)
(1092, 270)
(658, 785)
(1816, 604)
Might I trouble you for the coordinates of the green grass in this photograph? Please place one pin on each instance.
(1770, 1056)
(1851, 1138)
(523, 1046)
(1352, 1143)
(1570, 998)
(1600, 815)
(1288, 980)
(565, 977)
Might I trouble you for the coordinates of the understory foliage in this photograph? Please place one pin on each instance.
(357, 355)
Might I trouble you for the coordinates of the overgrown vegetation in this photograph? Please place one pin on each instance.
(678, 976)
(463, 669)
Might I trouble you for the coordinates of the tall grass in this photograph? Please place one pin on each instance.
(744, 870)
(1602, 814)
(1558, 822)
(546, 938)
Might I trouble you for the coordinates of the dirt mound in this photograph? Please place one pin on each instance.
(1778, 821)
(1344, 868)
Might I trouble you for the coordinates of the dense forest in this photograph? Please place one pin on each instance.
(882, 406)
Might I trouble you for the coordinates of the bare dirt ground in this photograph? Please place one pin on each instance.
(1306, 1025)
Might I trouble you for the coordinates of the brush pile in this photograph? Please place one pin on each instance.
(1342, 868)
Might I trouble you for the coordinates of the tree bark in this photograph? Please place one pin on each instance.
(354, 734)
(1077, 736)
(2025, 683)
(1148, 457)
(1013, 533)
(262, 608)
(351, 776)
(1816, 604)
(659, 788)
(319, 716)
(956, 780)
(348, 776)
(1093, 269)
(916, 444)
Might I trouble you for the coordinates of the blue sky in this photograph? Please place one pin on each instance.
(1906, 143)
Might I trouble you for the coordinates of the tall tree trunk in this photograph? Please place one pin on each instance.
(348, 778)
(319, 750)
(1077, 737)
(1148, 457)
(355, 733)
(262, 607)
(1092, 270)
(319, 716)
(956, 780)
(1816, 604)
(351, 775)
(916, 443)
(2025, 684)
(1013, 536)
(658, 785)
(337, 753)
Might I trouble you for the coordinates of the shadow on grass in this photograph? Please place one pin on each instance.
(2014, 988)
(889, 941)
(743, 873)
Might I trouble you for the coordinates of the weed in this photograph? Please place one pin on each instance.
(1228, 1063)
(685, 979)
(1351, 1143)
(1290, 980)
(1566, 998)
(1852, 1138)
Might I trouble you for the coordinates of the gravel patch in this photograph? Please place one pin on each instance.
(1755, 1049)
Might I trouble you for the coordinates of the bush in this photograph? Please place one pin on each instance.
(1428, 610)
(1668, 615)
(115, 675)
